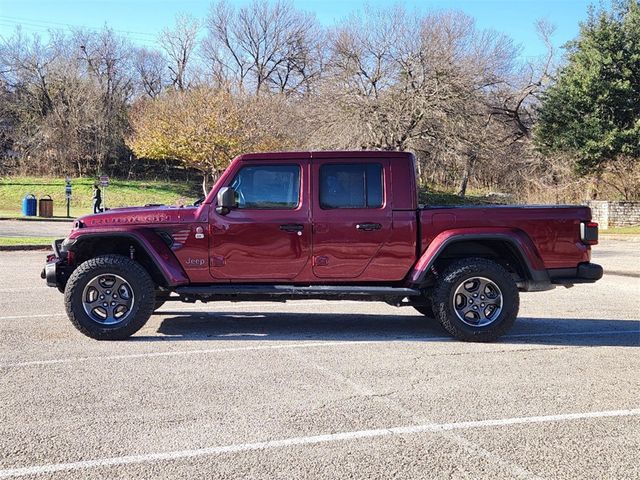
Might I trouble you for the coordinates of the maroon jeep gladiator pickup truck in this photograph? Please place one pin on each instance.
(321, 225)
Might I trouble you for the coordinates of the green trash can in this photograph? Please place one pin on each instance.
(45, 207)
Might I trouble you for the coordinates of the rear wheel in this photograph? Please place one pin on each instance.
(109, 297)
(476, 300)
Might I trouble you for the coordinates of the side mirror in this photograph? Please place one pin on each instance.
(226, 200)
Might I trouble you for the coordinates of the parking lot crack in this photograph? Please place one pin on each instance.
(387, 399)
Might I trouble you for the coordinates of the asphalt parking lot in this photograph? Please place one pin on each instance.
(323, 389)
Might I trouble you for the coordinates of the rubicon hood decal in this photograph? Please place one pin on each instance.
(140, 215)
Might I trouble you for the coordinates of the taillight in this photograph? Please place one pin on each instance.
(589, 233)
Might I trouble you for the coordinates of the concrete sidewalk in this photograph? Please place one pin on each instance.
(18, 228)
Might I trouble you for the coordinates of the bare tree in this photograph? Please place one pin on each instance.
(26, 64)
(149, 66)
(399, 81)
(515, 101)
(179, 44)
(107, 58)
(68, 99)
(263, 46)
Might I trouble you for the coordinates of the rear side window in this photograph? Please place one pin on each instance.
(351, 185)
(268, 187)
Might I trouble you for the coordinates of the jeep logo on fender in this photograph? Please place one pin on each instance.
(195, 262)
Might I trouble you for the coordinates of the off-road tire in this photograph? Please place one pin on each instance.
(426, 310)
(136, 276)
(161, 298)
(455, 275)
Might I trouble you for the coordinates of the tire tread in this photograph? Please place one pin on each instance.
(145, 302)
(442, 299)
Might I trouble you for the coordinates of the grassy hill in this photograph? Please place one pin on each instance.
(120, 193)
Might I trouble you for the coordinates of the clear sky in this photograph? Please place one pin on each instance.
(141, 20)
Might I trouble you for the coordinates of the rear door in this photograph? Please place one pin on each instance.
(268, 235)
(352, 218)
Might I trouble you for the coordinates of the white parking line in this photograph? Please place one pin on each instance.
(310, 440)
(342, 343)
(56, 361)
(198, 308)
(16, 317)
(15, 290)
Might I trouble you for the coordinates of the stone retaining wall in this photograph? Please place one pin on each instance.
(615, 214)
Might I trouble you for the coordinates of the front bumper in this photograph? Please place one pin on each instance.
(55, 271)
(583, 273)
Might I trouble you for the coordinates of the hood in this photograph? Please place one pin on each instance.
(148, 215)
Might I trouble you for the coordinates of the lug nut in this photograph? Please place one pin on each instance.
(105, 304)
(101, 297)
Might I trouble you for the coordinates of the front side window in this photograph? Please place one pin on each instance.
(354, 185)
(268, 187)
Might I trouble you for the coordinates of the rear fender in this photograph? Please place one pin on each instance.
(158, 252)
(531, 263)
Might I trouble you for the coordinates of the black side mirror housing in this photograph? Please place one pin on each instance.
(226, 200)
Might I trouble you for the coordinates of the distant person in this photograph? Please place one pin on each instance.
(97, 199)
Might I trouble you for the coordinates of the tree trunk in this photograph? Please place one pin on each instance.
(468, 170)
(205, 177)
(596, 187)
(214, 176)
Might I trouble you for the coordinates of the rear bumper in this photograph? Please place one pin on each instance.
(584, 273)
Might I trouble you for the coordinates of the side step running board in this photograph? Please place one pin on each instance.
(289, 292)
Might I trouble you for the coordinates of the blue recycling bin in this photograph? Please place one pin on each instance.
(29, 205)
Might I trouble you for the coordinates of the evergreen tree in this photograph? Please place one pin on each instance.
(592, 111)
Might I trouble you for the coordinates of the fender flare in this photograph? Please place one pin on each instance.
(158, 251)
(537, 276)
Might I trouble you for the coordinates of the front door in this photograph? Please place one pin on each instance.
(268, 235)
(351, 217)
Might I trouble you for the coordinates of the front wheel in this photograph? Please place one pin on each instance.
(426, 309)
(109, 297)
(476, 300)
(161, 298)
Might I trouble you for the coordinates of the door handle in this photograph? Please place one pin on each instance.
(292, 228)
(368, 227)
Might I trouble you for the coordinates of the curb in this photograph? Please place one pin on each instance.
(17, 248)
(631, 237)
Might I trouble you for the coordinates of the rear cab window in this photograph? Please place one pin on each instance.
(351, 185)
